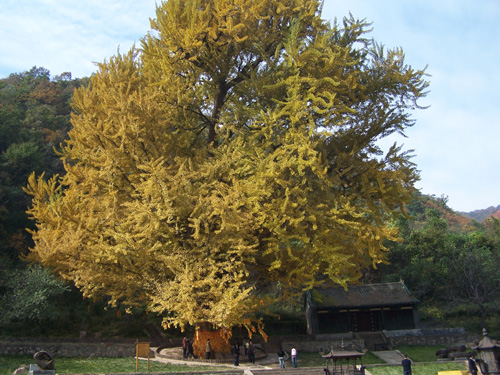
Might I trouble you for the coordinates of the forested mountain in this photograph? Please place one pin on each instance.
(449, 260)
(456, 221)
(480, 215)
(34, 119)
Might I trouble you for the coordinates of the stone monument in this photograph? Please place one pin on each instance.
(44, 364)
(488, 352)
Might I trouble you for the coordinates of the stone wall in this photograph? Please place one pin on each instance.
(67, 348)
(323, 343)
(322, 346)
(444, 337)
(303, 343)
(72, 347)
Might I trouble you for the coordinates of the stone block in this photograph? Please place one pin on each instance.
(35, 370)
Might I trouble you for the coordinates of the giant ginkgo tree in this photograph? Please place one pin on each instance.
(235, 147)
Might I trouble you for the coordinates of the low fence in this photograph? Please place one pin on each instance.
(323, 342)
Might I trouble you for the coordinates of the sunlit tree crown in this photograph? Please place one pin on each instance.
(235, 148)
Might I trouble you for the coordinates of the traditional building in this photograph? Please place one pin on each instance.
(361, 308)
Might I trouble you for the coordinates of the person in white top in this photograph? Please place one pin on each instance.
(293, 354)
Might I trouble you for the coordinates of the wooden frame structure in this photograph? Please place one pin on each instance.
(336, 358)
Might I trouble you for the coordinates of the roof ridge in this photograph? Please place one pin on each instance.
(377, 294)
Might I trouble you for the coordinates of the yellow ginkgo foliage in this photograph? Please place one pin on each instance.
(236, 147)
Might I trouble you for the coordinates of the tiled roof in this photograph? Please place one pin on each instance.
(368, 295)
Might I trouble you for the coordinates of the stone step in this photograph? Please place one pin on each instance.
(373, 340)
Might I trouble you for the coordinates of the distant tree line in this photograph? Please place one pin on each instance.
(449, 262)
(483, 214)
(34, 119)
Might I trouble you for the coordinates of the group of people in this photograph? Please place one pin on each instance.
(293, 357)
(249, 351)
(187, 348)
(249, 348)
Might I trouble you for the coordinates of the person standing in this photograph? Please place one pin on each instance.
(293, 354)
(245, 345)
(251, 352)
(190, 349)
(281, 358)
(184, 348)
(236, 353)
(208, 350)
(472, 365)
(406, 363)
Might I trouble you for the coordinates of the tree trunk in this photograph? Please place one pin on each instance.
(219, 341)
(483, 315)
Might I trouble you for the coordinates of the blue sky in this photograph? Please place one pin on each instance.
(455, 140)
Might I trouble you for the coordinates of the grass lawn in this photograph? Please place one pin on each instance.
(423, 358)
(315, 359)
(98, 365)
(418, 353)
(424, 362)
(419, 368)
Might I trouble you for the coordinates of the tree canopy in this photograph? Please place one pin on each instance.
(449, 262)
(34, 117)
(236, 147)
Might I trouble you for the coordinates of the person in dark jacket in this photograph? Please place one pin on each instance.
(472, 365)
(251, 352)
(406, 363)
(281, 358)
(190, 349)
(184, 348)
(236, 353)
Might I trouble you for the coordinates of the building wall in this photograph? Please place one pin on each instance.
(361, 320)
(399, 318)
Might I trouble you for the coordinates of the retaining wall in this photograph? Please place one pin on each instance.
(323, 342)
(66, 348)
(443, 337)
(303, 343)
